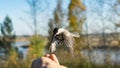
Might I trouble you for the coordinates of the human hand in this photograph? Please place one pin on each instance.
(48, 61)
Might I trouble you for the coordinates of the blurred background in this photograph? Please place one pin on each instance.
(26, 29)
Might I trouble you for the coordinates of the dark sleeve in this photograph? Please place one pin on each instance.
(37, 63)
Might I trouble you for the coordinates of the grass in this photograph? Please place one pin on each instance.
(77, 62)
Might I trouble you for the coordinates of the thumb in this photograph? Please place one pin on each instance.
(53, 58)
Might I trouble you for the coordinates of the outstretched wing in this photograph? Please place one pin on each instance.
(69, 42)
(53, 45)
(75, 34)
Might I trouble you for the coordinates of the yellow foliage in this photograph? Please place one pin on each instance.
(76, 3)
(73, 19)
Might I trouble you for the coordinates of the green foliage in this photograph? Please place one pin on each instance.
(79, 61)
(14, 62)
(8, 37)
(36, 50)
(37, 47)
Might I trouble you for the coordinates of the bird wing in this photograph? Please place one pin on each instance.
(68, 42)
(53, 45)
(75, 34)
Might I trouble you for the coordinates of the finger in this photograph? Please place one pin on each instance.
(54, 58)
(47, 60)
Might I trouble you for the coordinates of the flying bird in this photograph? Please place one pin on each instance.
(64, 37)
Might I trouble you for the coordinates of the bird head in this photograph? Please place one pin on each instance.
(55, 30)
(58, 33)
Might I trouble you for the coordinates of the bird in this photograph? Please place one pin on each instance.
(64, 37)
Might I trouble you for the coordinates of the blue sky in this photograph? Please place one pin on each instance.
(17, 9)
(100, 14)
(96, 11)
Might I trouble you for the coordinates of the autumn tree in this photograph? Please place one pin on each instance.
(76, 17)
(75, 9)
